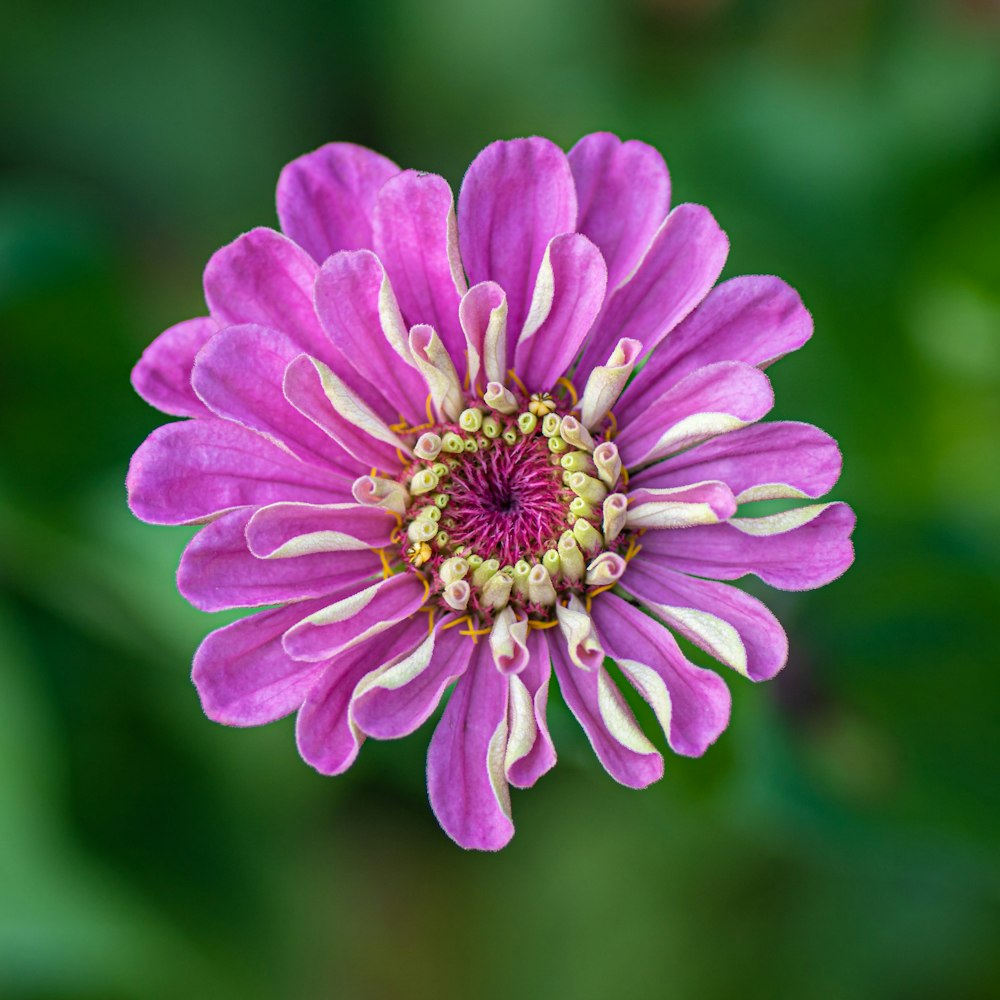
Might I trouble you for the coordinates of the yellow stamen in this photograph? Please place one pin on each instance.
(568, 386)
(517, 381)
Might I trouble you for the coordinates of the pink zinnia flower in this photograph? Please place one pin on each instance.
(426, 444)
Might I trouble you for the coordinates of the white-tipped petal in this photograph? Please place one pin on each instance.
(578, 630)
(607, 381)
(570, 558)
(509, 642)
(377, 491)
(615, 513)
(575, 434)
(540, 589)
(428, 446)
(498, 397)
(605, 570)
(608, 462)
(435, 364)
(457, 594)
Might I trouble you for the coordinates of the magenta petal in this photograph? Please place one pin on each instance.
(799, 456)
(327, 738)
(526, 769)
(483, 316)
(623, 192)
(709, 401)
(515, 197)
(162, 376)
(356, 305)
(303, 388)
(285, 530)
(239, 376)
(417, 240)
(326, 198)
(675, 274)
(690, 703)
(218, 571)
(797, 550)
(189, 472)
(751, 318)
(567, 299)
(683, 602)
(263, 277)
(465, 762)
(607, 720)
(346, 623)
(244, 677)
(400, 698)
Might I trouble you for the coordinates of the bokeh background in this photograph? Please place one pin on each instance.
(839, 841)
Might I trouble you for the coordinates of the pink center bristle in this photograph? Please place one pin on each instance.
(508, 502)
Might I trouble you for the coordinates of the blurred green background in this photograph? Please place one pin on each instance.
(840, 840)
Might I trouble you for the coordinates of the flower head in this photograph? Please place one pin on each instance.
(477, 448)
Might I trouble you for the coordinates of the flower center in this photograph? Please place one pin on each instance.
(514, 503)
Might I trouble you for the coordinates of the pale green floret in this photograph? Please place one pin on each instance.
(496, 592)
(428, 446)
(527, 422)
(576, 461)
(521, 572)
(510, 435)
(540, 589)
(423, 482)
(440, 470)
(441, 539)
(431, 513)
(484, 571)
(550, 425)
(500, 398)
(551, 562)
(566, 477)
(453, 569)
(471, 420)
(491, 426)
(592, 490)
(570, 557)
(441, 500)
(421, 529)
(474, 560)
(557, 444)
(471, 445)
(587, 536)
(451, 442)
(580, 507)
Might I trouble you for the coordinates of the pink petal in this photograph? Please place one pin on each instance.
(526, 769)
(465, 776)
(244, 677)
(356, 305)
(218, 571)
(606, 719)
(796, 550)
(239, 374)
(345, 623)
(691, 704)
(710, 401)
(757, 461)
(327, 738)
(675, 274)
(515, 197)
(401, 697)
(326, 198)
(162, 376)
(416, 238)
(751, 318)
(285, 530)
(567, 299)
(189, 472)
(623, 192)
(701, 609)
(682, 507)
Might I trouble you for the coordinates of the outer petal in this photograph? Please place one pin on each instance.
(416, 238)
(239, 374)
(681, 265)
(263, 277)
(327, 737)
(400, 697)
(515, 197)
(189, 472)
(345, 623)
(760, 462)
(690, 703)
(724, 621)
(620, 745)
(283, 530)
(162, 376)
(465, 761)
(357, 306)
(566, 300)
(751, 318)
(796, 550)
(710, 401)
(683, 507)
(530, 752)
(623, 192)
(218, 571)
(244, 677)
(326, 198)
(483, 315)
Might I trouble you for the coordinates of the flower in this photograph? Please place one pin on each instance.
(426, 442)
